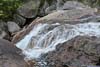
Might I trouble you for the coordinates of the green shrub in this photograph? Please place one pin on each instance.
(8, 8)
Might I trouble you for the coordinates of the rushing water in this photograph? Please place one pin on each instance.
(45, 37)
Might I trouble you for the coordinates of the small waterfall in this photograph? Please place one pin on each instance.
(45, 37)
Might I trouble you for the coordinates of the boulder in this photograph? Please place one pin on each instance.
(29, 9)
(10, 55)
(78, 52)
(12, 27)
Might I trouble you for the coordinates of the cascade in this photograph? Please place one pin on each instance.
(45, 37)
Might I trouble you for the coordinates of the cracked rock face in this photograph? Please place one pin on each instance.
(77, 52)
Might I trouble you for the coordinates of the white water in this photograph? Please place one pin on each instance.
(45, 37)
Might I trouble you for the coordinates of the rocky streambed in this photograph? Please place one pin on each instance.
(69, 36)
(65, 38)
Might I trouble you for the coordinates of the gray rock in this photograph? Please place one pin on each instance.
(63, 5)
(10, 55)
(73, 5)
(68, 15)
(19, 20)
(2, 33)
(46, 7)
(51, 8)
(12, 27)
(43, 8)
(3, 25)
(59, 4)
(29, 9)
(3, 29)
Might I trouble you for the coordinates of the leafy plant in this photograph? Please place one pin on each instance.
(8, 8)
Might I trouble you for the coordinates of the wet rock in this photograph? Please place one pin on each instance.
(19, 20)
(77, 52)
(10, 55)
(12, 27)
(29, 9)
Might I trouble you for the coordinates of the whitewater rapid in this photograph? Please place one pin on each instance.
(45, 37)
